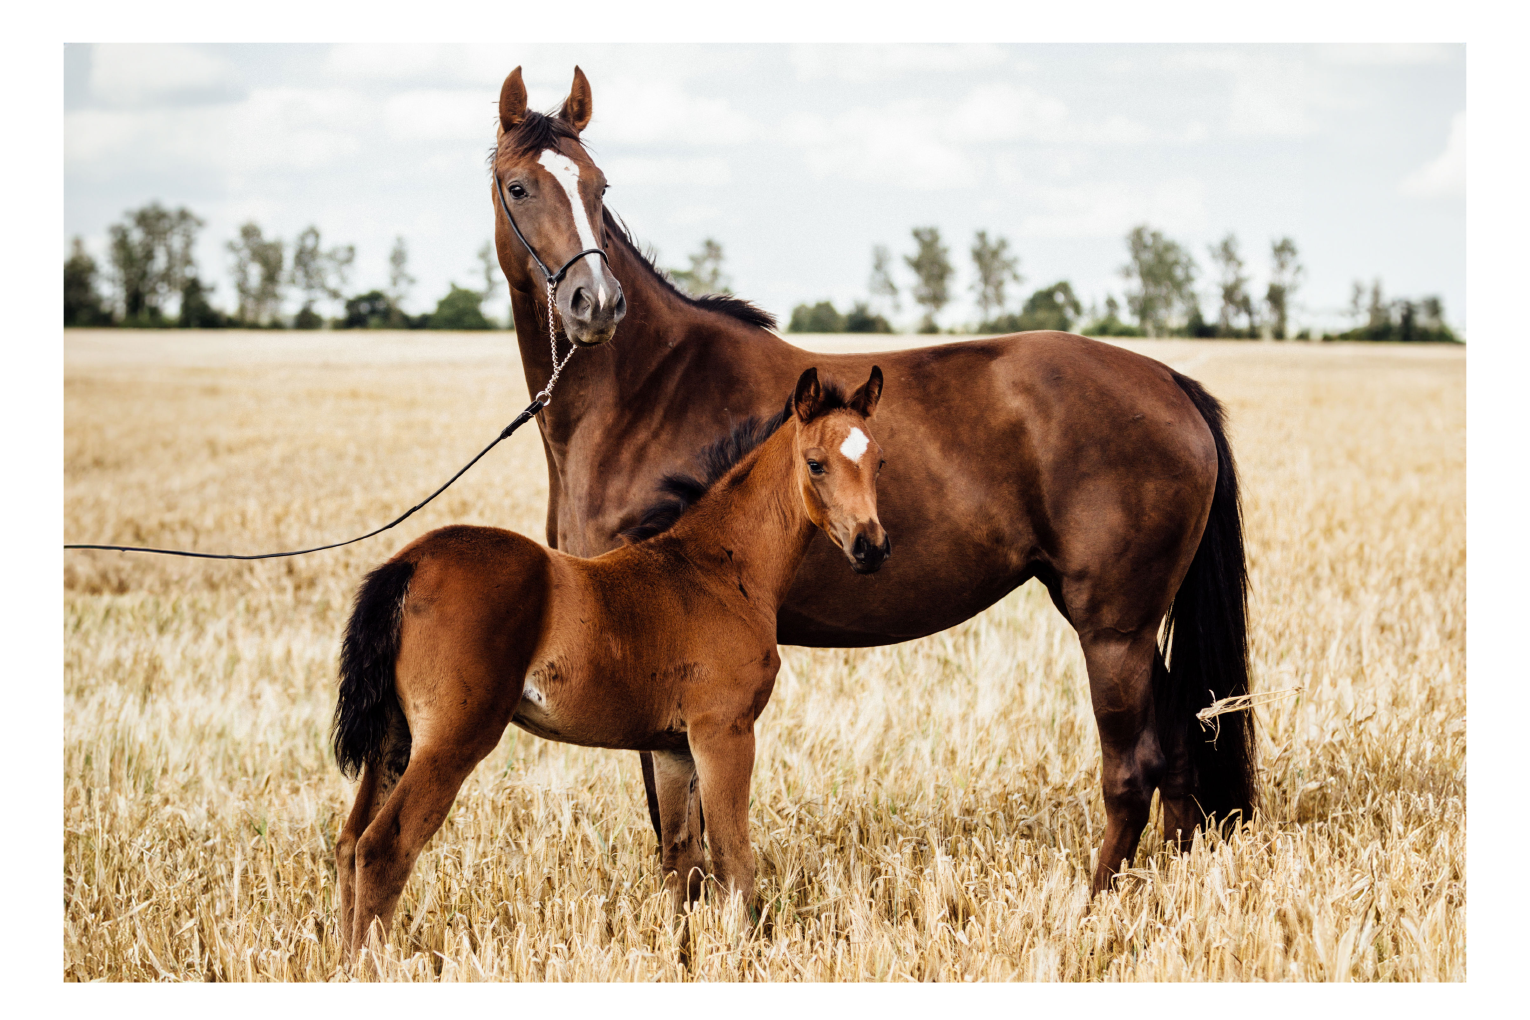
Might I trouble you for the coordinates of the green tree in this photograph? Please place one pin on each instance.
(881, 283)
(83, 304)
(1110, 323)
(1232, 284)
(488, 260)
(1285, 276)
(399, 282)
(459, 309)
(318, 274)
(820, 318)
(931, 264)
(706, 274)
(197, 311)
(861, 319)
(151, 256)
(995, 269)
(1165, 276)
(372, 310)
(258, 277)
(1054, 307)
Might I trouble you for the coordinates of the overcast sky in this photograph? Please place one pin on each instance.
(799, 159)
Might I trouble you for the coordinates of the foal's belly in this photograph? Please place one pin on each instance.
(573, 710)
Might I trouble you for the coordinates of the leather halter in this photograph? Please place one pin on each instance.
(553, 279)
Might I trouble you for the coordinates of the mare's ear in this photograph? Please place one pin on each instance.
(578, 107)
(805, 400)
(512, 101)
(864, 401)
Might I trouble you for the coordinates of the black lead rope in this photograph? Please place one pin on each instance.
(541, 401)
(520, 419)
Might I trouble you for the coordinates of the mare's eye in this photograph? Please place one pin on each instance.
(516, 191)
(815, 467)
(605, 188)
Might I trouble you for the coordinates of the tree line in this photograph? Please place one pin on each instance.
(152, 281)
(1160, 295)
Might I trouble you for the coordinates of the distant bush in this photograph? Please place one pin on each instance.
(860, 319)
(819, 318)
(1405, 321)
(459, 309)
(1110, 325)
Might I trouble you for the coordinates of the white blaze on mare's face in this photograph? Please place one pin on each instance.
(854, 445)
(566, 172)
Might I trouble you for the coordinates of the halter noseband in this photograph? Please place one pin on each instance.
(553, 279)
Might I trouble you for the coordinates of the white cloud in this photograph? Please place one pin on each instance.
(1002, 111)
(863, 63)
(1111, 208)
(1445, 175)
(281, 128)
(441, 115)
(622, 171)
(634, 111)
(1389, 54)
(124, 75)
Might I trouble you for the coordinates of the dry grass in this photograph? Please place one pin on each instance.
(924, 811)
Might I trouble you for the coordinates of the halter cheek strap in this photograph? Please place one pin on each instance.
(553, 279)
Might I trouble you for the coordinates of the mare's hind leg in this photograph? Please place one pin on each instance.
(377, 782)
(1176, 788)
(1121, 688)
(679, 808)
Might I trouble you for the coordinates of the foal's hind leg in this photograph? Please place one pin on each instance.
(377, 782)
(1121, 688)
(679, 807)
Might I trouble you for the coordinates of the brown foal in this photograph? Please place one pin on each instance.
(667, 645)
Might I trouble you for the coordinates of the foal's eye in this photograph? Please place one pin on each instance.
(516, 191)
(815, 467)
(882, 465)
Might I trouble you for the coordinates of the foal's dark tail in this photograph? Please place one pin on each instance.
(1206, 642)
(367, 702)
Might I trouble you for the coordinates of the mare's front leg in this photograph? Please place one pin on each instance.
(679, 807)
(723, 746)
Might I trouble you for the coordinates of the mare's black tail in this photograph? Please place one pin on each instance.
(1206, 642)
(367, 702)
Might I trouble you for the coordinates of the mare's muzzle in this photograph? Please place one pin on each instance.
(590, 302)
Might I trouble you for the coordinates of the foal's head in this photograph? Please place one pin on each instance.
(837, 463)
(553, 189)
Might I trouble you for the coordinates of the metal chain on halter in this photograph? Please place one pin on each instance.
(544, 397)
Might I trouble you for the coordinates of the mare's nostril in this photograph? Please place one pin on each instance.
(579, 304)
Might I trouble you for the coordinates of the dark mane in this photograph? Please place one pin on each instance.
(727, 304)
(680, 492)
(535, 132)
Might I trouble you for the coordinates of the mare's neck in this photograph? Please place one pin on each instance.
(596, 379)
(753, 523)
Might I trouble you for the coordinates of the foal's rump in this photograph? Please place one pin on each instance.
(456, 594)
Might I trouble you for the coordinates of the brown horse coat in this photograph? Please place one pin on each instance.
(665, 646)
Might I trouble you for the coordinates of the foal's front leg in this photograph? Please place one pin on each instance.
(724, 752)
(681, 860)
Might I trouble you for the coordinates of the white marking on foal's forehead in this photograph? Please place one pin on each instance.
(566, 172)
(854, 445)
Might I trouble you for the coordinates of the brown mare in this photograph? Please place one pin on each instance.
(667, 646)
(1100, 472)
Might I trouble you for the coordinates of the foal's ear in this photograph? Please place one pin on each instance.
(512, 101)
(578, 107)
(864, 400)
(809, 393)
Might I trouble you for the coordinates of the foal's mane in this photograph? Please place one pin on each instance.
(680, 492)
(538, 131)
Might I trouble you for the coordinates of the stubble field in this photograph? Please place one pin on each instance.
(922, 811)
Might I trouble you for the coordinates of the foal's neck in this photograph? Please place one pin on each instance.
(753, 522)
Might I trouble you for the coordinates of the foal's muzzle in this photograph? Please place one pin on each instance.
(866, 558)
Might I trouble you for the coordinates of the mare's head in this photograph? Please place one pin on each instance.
(553, 189)
(837, 463)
